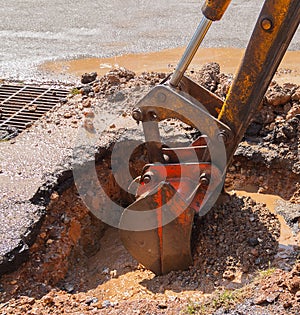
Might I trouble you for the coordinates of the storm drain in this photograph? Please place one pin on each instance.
(21, 106)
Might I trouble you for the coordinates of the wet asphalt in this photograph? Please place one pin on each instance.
(35, 31)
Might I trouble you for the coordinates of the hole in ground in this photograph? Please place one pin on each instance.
(77, 252)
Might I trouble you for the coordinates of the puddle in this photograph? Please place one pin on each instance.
(286, 235)
(166, 60)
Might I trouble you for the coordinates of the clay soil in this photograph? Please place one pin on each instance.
(245, 252)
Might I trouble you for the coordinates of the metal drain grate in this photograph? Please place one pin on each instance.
(20, 106)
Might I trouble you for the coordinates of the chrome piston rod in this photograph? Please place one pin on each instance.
(190, 51)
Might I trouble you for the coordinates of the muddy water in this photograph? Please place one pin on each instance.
(286, 234)
(166, 60)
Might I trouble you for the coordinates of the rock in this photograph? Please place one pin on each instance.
(91, 300)
(88, 113)
(208, 76)
(162, 306)
(293, 112)
(47, 300)
(88, 124)
(289, 131)
(106, 304)
(74, 231)
(254, 252)
(287, 107)
(253, 241)
(287, 304)
(297, 296)
(296, 95)
(290, 86)
(258, 261)
(63, 100)
(272, 297)
(113, 79)
(54, 196)
(113, 273)
(69, 287)
(266, 298)
(87, 103)
(86, 90)
(296, 270)
(96, 89)
(105, 271)
(225, 82)
(262, 298)
(253, 129)
(29, 124)
(277, 96)
(117, 97)
(294, 285)
(290, 211)
(32, 108)
(67, 115)
(229, 275)
(88, 77)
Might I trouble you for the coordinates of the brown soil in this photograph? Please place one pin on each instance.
(79, 266)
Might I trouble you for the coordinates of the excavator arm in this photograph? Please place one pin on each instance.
(179, 183)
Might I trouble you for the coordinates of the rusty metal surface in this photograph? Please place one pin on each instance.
(20, 106)
(209, 100)
(215, 9)
(275, 27)
(164, 102)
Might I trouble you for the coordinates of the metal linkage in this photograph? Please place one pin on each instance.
(190, 51)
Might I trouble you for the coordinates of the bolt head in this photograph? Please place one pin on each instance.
(222, 136)
(137, 114)
(146, 179)
(204, 179)
(266, 24)
(161, 97)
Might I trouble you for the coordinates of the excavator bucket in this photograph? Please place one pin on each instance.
(156, 228)
(165, 247)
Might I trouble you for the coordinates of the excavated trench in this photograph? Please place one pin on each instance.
(77, 253)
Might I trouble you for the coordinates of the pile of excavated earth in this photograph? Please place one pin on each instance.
(77, 264)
